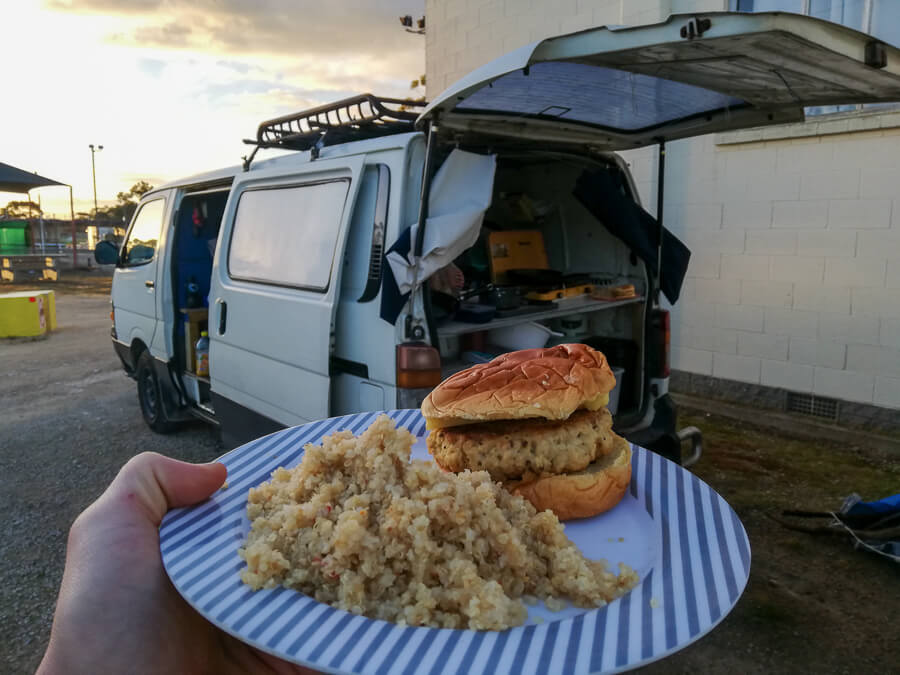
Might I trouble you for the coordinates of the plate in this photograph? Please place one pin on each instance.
(686, 543)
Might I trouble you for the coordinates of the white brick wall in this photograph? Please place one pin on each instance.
(794, 279)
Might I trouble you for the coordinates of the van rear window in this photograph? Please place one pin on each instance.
(287, 235)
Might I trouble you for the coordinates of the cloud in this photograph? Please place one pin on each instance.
(302, 28)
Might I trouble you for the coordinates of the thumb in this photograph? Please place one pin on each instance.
(157, 483)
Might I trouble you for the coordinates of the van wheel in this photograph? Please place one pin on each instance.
(150, 396)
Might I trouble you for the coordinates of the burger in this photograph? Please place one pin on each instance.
(535, 420)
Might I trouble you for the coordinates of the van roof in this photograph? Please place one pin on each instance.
(287, 159)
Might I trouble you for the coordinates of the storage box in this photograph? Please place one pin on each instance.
(27, 313)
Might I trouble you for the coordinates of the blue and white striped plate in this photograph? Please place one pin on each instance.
(686, 543)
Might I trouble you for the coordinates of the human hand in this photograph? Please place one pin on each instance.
(117, 610)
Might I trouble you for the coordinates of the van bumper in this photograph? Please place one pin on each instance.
(660, 436)
(123, 351)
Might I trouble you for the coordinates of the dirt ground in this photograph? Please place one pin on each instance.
(69, 419)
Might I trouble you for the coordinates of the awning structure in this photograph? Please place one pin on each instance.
(17, 180)
(13, 179)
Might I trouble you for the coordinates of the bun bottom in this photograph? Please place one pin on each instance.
(596, 489)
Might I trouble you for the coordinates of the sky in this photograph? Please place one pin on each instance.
(171, 87)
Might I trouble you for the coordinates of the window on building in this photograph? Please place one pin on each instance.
(880, 18)
(287, 236)
(140, 247)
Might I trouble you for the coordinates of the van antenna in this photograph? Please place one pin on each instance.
(317, 148)
(248, 160)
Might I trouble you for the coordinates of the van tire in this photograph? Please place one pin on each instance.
(150, 396)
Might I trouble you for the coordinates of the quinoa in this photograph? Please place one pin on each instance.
(358, 526)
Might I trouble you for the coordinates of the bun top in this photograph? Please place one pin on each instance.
(550, 382)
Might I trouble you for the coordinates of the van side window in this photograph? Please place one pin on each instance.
(287, 236)
(140, 247)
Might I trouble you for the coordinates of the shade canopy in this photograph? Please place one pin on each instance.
(17, 180)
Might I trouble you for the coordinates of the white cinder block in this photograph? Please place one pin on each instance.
(874, 151)
(848, 329)
(844, 384)
(720, 241)
(875, 302)
(790, 376)
(873, 359)
(796, 268)
(879, 243)
(818, 298)
(726, 341)
(767, 293)
(763, 345)
(773, 186)
(828, 243)
(744, 160)
(890, 333)
(704, 216)
(752, 267)
(875, 183)
(704, 264)
(887, 392)
(843, 184)
(771, 242)
(813, 156)
(893, 274)
(748, 215)
(859, 214)
(727, 291)
(694, 313)
(739, 317)
(854, 272)
(812, 352)
(800, 214)
(735, 367)
(791, 322)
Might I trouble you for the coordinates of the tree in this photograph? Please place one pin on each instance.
(126, 204)
(20, 209)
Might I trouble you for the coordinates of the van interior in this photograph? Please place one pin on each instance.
(196, 232)
(545, 271)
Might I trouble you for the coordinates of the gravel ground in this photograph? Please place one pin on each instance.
(69, 419)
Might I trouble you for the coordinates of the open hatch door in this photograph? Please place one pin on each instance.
(622, 88)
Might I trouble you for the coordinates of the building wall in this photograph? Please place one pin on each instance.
(794, 279)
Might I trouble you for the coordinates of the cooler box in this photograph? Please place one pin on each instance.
(27, 313)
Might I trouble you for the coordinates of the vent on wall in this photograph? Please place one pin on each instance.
(814, 406)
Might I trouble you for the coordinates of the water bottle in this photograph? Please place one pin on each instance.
(203, 354)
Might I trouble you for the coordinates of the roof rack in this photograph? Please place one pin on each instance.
(352, 119)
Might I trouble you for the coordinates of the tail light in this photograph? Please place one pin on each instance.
(418, 366)
(112, 318)
(661, 336)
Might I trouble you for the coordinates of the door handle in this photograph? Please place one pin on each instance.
(149, 284)
(223, 315)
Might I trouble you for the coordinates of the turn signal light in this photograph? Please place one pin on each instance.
(418, 366)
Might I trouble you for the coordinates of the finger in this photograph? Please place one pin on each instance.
(156, 483)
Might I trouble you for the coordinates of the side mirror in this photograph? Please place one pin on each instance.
(106, 253)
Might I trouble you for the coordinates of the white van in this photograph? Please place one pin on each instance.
(320, 294)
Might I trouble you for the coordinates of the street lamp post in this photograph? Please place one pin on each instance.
(94, 177)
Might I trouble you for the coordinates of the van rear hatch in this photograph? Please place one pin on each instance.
(622, 88)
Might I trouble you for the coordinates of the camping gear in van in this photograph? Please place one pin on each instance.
(202, 351)
(521, 336)
(503, 297)
(516, 250)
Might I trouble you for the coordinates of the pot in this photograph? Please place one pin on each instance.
(503, 297)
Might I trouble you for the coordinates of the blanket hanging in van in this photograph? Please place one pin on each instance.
(460, 194)
(601, 193)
